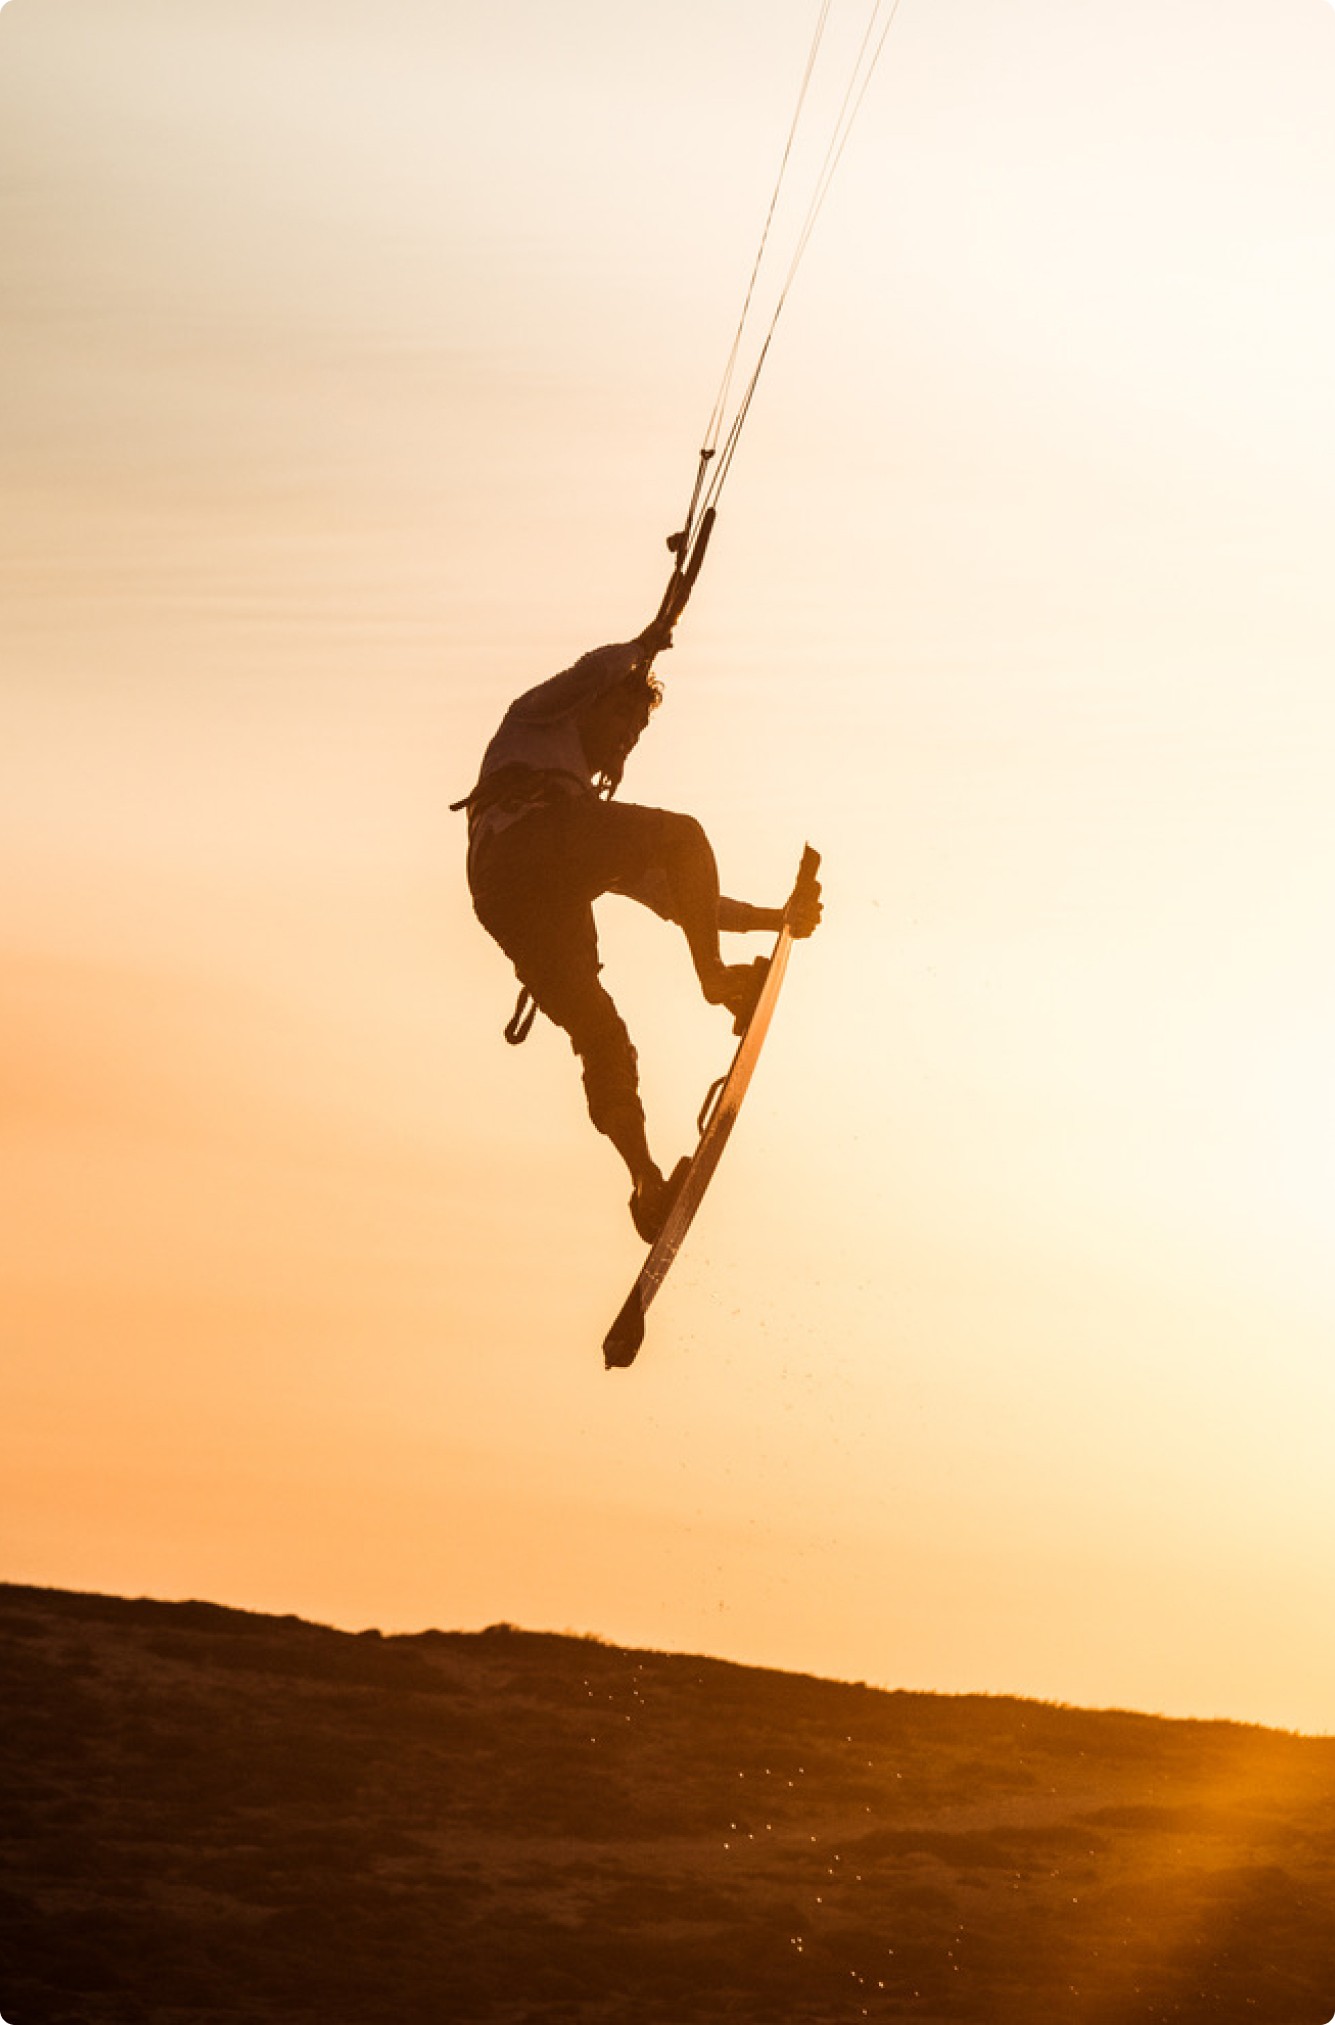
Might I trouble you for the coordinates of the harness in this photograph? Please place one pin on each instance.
(515, 790)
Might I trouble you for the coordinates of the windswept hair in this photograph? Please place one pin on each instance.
(645, 686)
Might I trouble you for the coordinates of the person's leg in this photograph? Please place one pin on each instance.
(577, 1002)
(666, 862)
(528, 895)
(692, 874)
(599, 1037)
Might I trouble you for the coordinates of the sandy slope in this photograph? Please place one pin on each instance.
(210, 1815)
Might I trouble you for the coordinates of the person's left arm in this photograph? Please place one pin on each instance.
(739, 917)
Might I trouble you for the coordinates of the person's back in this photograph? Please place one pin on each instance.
(542, 728)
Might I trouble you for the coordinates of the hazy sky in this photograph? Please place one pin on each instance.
(355, 361)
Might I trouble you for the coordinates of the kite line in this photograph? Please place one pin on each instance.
(724, 429)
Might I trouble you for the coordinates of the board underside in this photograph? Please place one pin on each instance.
(626, 1334)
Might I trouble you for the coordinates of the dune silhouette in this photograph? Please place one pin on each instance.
(211, 1815)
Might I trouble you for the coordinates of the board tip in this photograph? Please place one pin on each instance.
(621, 1345)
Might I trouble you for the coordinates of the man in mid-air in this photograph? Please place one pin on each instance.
(545, 840)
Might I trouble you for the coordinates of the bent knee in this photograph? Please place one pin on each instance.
(596, 1029)
(683, 839)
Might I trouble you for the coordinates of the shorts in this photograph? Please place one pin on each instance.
(534, 884)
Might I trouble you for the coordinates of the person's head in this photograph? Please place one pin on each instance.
(610, 727)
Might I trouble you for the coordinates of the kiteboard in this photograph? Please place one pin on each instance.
(717, 1117)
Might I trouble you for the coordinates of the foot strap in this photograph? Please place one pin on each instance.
(520, 1023)
(710, 1105)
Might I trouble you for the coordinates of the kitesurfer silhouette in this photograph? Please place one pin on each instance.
(546, 840)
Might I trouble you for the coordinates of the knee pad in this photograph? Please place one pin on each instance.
(611, 1073)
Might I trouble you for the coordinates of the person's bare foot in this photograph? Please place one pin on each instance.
(737, 987)
(653, 1197)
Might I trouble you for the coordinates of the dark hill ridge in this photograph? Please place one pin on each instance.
(214, 1816)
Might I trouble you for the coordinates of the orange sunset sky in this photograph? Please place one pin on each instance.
(354, 364)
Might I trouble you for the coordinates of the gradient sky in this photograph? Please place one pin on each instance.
(354, 366)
